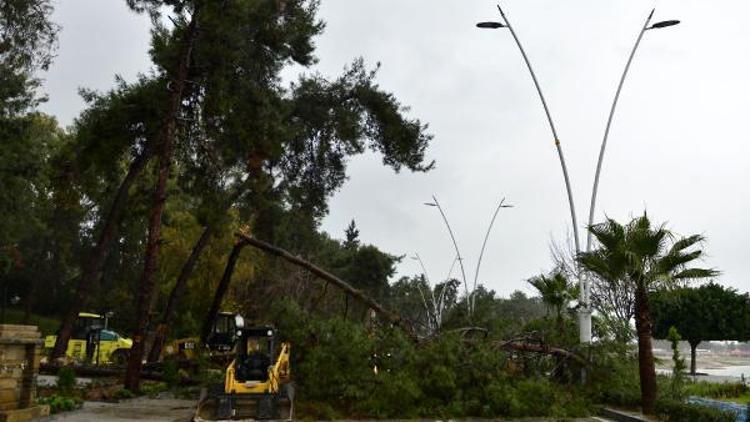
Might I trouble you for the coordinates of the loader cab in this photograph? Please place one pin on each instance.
(223, 332)
(256, 348)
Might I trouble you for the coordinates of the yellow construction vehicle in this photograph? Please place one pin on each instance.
(93, 341)
(219, 343)
(256, 383)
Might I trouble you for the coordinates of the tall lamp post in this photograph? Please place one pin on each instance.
(584, 314)
(586, 285)
(595, 190)
(470, 298)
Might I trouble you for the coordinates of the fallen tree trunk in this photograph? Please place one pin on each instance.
(539, 348)
(392, 317)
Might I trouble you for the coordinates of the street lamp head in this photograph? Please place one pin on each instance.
(491, 25)
(664, 24)
(430, 204)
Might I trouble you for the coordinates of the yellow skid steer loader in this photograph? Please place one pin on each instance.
(256, 383)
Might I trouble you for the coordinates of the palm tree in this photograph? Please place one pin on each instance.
(644, 258)
(556, 291)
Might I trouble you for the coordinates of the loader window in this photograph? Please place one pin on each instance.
(258, 346)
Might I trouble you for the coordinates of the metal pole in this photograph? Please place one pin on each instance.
(458, 253)
(568, 189)
(595, 190)
(584, 315)
(484, 244)
(586, 286)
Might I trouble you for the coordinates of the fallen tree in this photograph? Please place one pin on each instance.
(390, 316)
(515, 346)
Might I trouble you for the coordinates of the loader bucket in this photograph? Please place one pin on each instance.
(245, 407)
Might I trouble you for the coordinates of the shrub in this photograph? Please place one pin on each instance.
(675, 411)
(66, 380)
(153, 389)
(613, 379)
(123, 393)
(171, 373)
(58, 403)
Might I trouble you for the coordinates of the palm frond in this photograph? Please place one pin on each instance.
(696, 274)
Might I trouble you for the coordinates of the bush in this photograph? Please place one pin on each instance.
(171, 373)
(58, 403)
(123, 393)
(675, 411)
(66, 380)
(153, 389)
(613, 379)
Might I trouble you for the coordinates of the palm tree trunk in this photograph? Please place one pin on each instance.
(97, 256)
(221, 290)
(178, 291)
(646, 367)
(165, 145)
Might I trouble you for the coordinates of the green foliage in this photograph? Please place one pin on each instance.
(676, 411)
(61, 403)
(153, 389)
(643, 255)
(555, 290)
(642, 258)
(445, 377)
(678, 365)
(28, 39)
(123, 394)
(613, 377)
(171, 373)
(716, 390)
(66, 380)
(47, 326)
(708, 312)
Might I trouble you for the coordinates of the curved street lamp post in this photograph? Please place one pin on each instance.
(585, 309)
(595, 190)
(584, 313)
(470, 298)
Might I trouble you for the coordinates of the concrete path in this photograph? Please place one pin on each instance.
(141, 409)
(176, 410)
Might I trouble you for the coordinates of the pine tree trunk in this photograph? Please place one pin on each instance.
(175, 296)
(646, 367)
(221, 290)
(165, 146)
(178, 291)
(97, 256)
(693, 349)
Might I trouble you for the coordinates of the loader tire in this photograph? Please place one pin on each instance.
(120, 356)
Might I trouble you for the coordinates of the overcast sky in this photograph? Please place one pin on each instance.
(678, 146)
